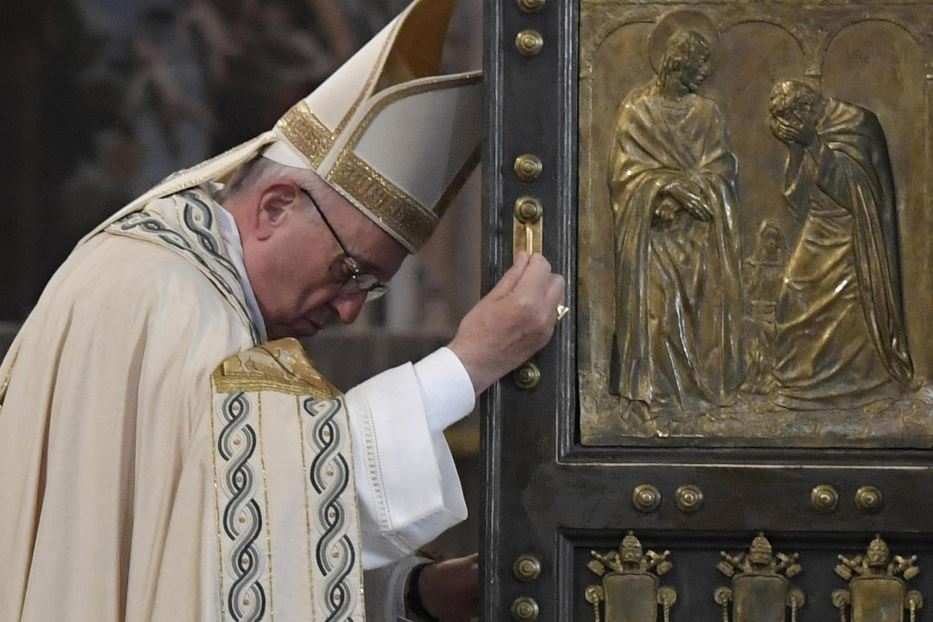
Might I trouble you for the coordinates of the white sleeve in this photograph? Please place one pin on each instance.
(408, 488)
(385, 590)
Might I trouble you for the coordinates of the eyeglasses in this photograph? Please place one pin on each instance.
(346, 270)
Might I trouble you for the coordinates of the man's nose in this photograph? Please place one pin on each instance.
(348, 306)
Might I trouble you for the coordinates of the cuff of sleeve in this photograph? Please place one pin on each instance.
(446, 389)
(407, 484)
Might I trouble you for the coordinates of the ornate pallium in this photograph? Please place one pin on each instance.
(754, 182)
(630, 591)
(761, 589)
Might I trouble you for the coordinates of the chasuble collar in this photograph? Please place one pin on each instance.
(187, 223)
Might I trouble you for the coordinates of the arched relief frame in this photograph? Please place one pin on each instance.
(604, 423)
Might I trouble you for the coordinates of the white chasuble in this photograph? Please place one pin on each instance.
(126, 495)
(284, 490)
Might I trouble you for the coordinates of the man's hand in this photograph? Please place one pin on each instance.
(512, 322)
(791, 133)
(690, 197)
(450, 590)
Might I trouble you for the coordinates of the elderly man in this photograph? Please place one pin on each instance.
(841, 336)
(163, 459)
(672, 179)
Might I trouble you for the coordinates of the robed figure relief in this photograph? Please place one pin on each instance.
(841, 337)
(672, 179)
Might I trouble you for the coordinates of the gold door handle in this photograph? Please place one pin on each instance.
(528, 219)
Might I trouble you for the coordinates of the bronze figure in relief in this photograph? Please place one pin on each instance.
(841, 332)
(877, 586)
(629, 591)
(761, 590)
(672, 179)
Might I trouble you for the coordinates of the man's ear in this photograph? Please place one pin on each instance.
(276, 204)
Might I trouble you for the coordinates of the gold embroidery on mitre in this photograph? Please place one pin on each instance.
(419, 87)
(384, 200)
(374, 193)
(455, 185)
(307, 133)
(279, 366)
(374, 73)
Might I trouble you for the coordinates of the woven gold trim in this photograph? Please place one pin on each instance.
(218, 521)
(440, 82)
(453, 188)
(280, 366)
(402, 214)
(374, 73)
(265, 502)
(385, 201)
(307, 133)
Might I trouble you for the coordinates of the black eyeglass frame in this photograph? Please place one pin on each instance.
(358, 281)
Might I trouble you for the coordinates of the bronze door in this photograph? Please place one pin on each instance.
(734, 421)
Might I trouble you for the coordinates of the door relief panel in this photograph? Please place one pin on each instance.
(758, 208)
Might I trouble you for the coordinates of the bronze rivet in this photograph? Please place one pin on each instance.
(646, 498)
(689, 498)
(528, 167)
(530, 6)
(528, 210)
(524, 608)
(526, 568)
(824, 498)
(527, 377)
(869, 499)
(529, 43)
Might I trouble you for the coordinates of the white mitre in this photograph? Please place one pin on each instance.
(385, 130)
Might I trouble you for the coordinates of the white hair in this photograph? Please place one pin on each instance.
(260, 170)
